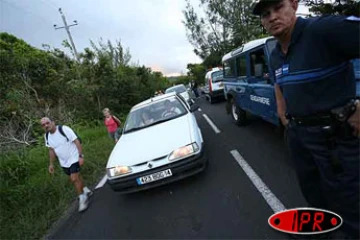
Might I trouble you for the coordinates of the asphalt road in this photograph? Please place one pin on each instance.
(221, 202)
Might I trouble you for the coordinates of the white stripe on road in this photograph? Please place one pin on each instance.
(199, 109)
(102, 182)
(269, 197)
(216, 130)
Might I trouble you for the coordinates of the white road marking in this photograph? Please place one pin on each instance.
(102, 182)
(216, 130)
(199, 109)
(269, 197)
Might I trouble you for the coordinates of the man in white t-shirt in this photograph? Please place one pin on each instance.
(65, 145)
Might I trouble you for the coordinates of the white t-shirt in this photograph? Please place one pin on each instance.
(65, 150)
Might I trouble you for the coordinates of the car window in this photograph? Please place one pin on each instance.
(270, 45)
(177, 89)
(182, 99)
(229, 68)
(217, 76)
(241, 66)
(258, 63)
(154, 113)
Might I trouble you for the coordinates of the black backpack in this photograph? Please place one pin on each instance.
(62, 133)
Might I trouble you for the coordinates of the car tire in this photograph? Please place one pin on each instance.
(238, 115)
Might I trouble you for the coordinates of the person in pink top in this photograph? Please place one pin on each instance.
(112, 124)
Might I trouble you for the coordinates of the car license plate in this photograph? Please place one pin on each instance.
(154, 177)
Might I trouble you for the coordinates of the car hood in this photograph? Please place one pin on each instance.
(151, 142)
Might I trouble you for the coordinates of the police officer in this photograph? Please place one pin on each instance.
(316, 98)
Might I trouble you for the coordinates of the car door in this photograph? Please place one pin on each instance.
(242, 87)
(261, 88)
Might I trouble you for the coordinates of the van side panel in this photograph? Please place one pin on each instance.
(263, 102)
(239, 91)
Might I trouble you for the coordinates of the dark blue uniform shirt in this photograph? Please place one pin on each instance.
(316, 74)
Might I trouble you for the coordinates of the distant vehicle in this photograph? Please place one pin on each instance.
(161, 143)
(249, 81)
(183, 91)
(214, 87)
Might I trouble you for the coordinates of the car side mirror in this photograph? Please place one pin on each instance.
(194, 107)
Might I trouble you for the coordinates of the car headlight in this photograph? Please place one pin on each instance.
(184, 151)
(118, 170)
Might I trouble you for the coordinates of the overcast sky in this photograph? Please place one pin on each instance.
(152, 29)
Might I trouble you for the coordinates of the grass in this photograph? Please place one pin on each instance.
(31, 199)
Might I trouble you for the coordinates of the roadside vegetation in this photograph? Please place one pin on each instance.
(31, 198)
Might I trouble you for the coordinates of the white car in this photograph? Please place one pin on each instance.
(214, 86)
(181, 89)
(161, 143)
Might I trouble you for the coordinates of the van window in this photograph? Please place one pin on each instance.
(241, 66)
(258, 64)
(270, 45)
(229, 68)
(217, 76)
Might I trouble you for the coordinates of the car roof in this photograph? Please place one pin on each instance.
(247, 46)
(215, 69)
(152, 100)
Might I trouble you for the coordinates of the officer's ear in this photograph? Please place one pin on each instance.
(294, 4)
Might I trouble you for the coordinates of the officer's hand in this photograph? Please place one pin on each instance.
(354, 121)
(284, 121)
(51, 169)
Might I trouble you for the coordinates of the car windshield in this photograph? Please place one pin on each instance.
(217, 76)
(177, 89)
(154, 113)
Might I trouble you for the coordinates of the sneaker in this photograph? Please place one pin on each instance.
(83, 202)
(88, 192)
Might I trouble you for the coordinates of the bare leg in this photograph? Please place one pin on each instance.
(78, 182)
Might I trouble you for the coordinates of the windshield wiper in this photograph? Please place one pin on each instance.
(157, 122)
(134, 129)
(154, 123)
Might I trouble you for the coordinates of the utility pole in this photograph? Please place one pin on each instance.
(68, 32)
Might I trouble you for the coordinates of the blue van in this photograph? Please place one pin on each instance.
(249, 81)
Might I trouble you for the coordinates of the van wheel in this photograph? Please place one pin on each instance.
(238, 115)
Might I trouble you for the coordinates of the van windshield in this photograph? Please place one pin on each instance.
(217, 76)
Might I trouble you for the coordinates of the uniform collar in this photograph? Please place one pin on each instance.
(298, 29)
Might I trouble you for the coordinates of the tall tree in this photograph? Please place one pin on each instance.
(338, 7)
(196, 72)
(226, 24)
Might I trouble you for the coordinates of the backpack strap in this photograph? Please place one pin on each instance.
(47, 138)
(62, 132)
